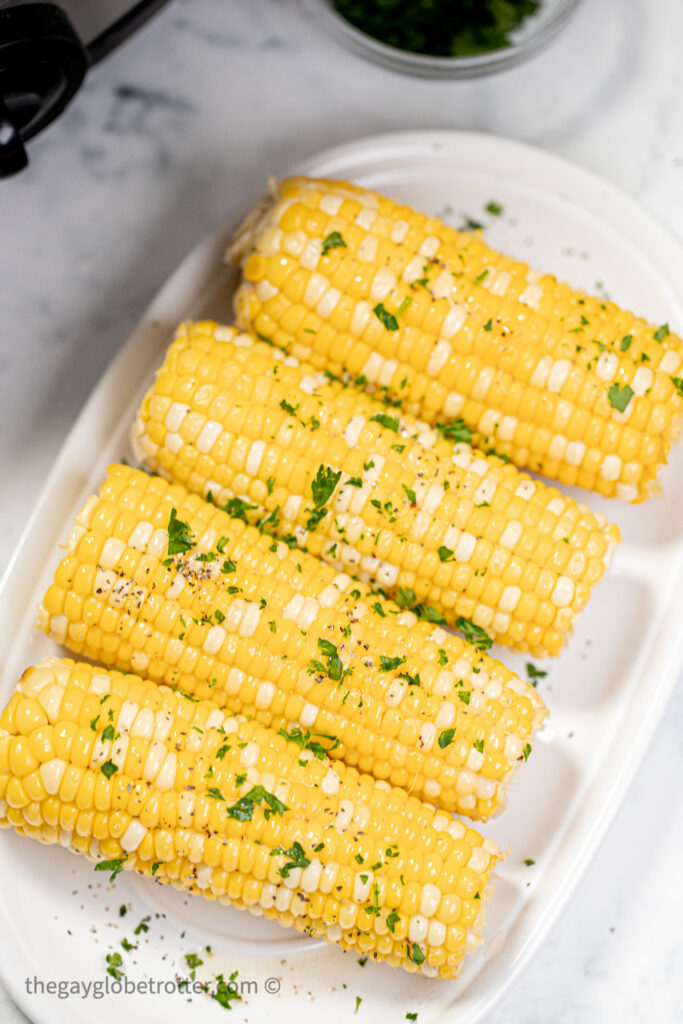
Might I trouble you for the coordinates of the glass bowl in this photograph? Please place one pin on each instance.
(535, 33)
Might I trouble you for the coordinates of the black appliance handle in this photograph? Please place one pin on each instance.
(102, 45)
(42, 65)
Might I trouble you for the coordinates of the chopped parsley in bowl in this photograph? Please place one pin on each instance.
(439, 28)
(444, 38)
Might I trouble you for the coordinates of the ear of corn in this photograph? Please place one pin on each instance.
(158, 581)
(137, 777)
(462, 532)
(561, 382)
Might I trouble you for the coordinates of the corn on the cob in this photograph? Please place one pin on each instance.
(561, 382)
(163, 583)
(446, 526)
(137, 777)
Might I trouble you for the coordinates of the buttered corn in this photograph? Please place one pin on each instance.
(432, 523)
(138, 777)
(559, 381)
(160, 582)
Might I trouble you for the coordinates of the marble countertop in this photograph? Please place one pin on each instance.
(163, 138)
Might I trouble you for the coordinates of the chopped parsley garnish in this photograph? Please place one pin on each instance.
(662, 332)
(208, 556)
(270, 483)
(387, 664)
(114, 964)
(244, 808)
(108, 769)
(297, 858)
(222, 751)
(404, 305)
(456, 430)
(387, 319)
(359, 1000)
(111, 865)
(444, 553)
(535, 673)
(220, 545)
(237, 508)
(335, 666)
(380, 611)
(228, 566)
(499, 455)
(412, 680)
(180, 537)
(193, 962)
(270, 522)
(446, 738)
(215, 793)
(480, 278)
(225, 992)
(527, 751)
(464, 696)
(306, 742)
(410, 494)
(392, 920)
(443, 657)
(390, 320)
(322, 488)
(474, 635)
(494, 208)
(415, 953)
(529, 862)
(407, 598)
(626, 342)
(290, 409)
(678, 384)
(389, 422)
(183, 693)
(108, 733)
(333, 241)
(619, 398)
(488, 325)
(479, 745)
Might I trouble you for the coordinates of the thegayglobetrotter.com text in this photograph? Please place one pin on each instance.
(99, 988)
